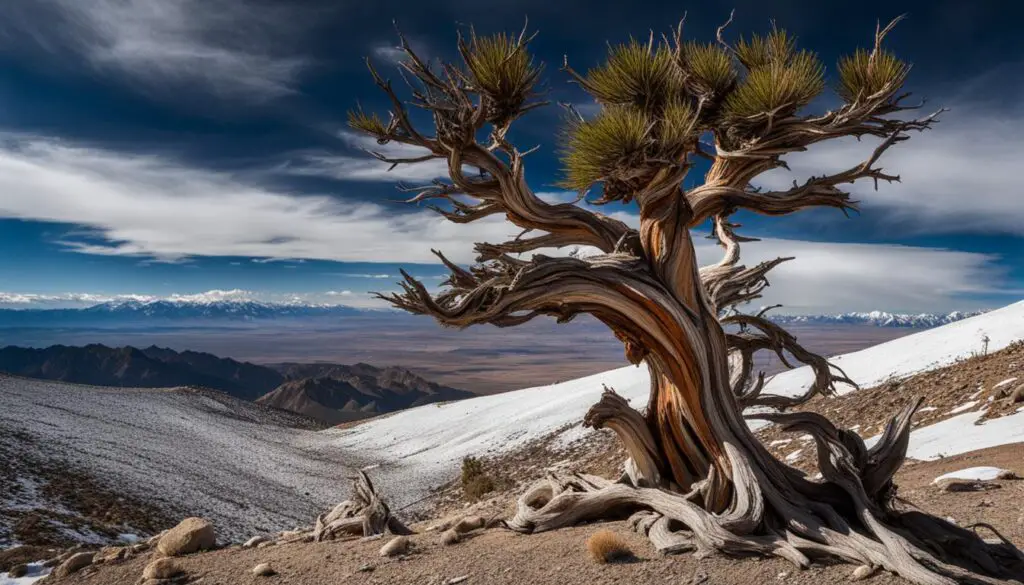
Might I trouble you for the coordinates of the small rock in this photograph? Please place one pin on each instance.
(265, 544)
(74, 563)
(782, 576)
(450, 537)
(254, 541)
(263, 570)
(191, 535)
(366, 568)
(398, 545)
(18, 571)
(161, 569)
(110, 554)
(468, 524)
(862, 572)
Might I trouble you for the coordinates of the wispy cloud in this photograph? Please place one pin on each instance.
(834, 277)
(363, 167)
(961, 177)
(11, 299)
(236, 48)
(152, 207)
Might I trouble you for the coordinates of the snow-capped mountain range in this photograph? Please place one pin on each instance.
(174, 310)
(879, 319)
(195, 308)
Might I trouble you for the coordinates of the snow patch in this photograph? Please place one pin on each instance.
(36, 571)
(974, 474)
(1004, 383)
(963, 407)
(961, 434)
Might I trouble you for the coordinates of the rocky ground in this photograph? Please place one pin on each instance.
(498, 556)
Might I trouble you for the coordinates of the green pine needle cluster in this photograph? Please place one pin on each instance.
(595, 147)
(367, 123)
(709, 68)
(760, 51)
(778, 85)
(502, 68)
(678, 124)
(635, 74)
(860, 75)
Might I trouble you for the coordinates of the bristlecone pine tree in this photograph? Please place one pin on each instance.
(696, 479)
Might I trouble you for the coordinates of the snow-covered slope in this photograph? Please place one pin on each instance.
(425, 445)
(193, 452)
(927, 350)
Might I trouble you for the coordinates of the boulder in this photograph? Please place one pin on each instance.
(18, 571)
(161, 569)
(398, 545)
(191, 535)
(74, 563)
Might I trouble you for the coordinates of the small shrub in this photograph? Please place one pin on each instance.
(476, 483)
(607, 547)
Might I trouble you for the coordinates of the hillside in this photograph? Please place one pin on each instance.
(330, 393)
(427, 446)
(182, 451)
(241, 464)
(335, 394)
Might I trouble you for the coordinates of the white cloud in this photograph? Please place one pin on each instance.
(236, 48)
(963, 176)
(350, 275)
(830, 277)
(11, 299)
(155, 208)
(364, 167)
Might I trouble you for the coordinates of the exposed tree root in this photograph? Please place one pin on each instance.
(365, 514)
(850, 515)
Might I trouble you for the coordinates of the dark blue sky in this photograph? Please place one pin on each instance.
(160, 147)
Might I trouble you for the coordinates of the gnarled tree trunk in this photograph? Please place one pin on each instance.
(697, 478)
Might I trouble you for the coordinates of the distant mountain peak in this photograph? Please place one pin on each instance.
(879, 318)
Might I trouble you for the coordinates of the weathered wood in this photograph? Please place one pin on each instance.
(697, 478)
(365, 514)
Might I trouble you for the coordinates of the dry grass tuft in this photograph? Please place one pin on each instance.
(476, 482)
(607, 547)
